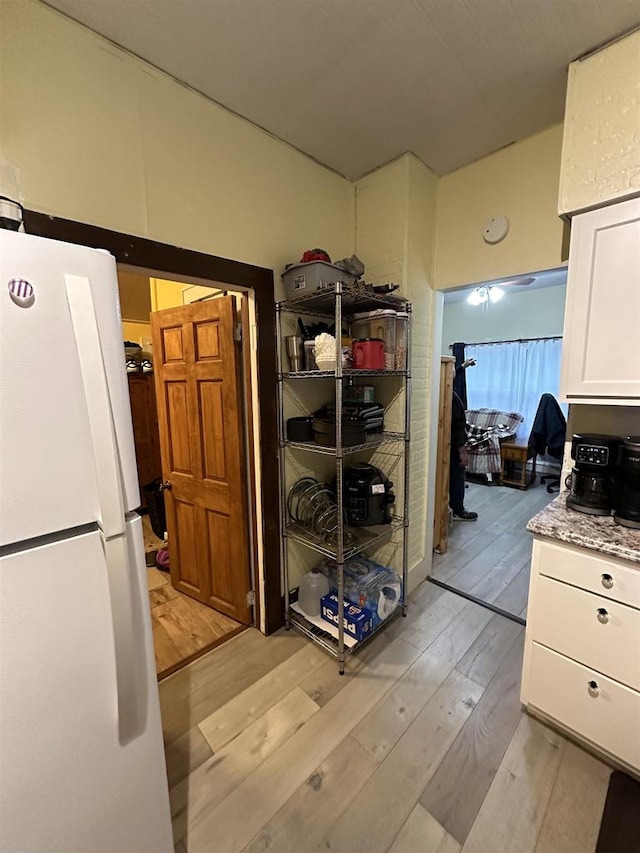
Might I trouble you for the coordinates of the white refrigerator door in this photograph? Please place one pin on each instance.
(81, 755)
(66, 443)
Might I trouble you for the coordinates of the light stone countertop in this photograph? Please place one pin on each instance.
(594, 532)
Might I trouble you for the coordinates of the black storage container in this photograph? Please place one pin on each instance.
(155, 505)
(300, 429)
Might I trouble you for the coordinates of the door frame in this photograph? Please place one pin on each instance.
(170, 261)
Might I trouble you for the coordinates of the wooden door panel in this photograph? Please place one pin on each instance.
(198, 382)
(219, 540)
(185, 569)
(172, 345)
(210, 395)
(177, 414)
(206, 340)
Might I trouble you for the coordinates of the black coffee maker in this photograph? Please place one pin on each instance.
(594, 478)
(628, 503)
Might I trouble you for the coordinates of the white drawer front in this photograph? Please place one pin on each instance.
(588, 628)
(608, 714)
(607, 577)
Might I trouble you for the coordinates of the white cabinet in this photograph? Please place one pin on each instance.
(582, 648)
(601, 141)
(598, 709)
(601, 355)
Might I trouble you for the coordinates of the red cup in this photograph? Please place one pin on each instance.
(368, 354)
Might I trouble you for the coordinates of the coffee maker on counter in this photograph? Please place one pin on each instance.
(595, 474)
(627, 509)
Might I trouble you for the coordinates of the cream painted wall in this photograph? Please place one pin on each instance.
(601, 145)
(101, 137)
(519, 182)
(521, 313)
(165, 293)
(395, 210)
(136, 332)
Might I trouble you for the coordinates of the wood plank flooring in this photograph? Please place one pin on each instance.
(183, 628)
(421, 747)
(491, 557)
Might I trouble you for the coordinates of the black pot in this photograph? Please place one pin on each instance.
(300, 429)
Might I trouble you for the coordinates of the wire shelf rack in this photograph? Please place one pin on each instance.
(347, 373)
(355, 297)
(337, 302)
(376, 440)
(364, 538)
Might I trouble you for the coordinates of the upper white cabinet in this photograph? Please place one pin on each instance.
(601, 139)
(601, 354)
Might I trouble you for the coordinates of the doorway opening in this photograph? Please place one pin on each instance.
(188, 350)
(152, 258)
(501, 434)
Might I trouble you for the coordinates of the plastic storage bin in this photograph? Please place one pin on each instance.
(402, 328)
(378, 324)
(302, 279)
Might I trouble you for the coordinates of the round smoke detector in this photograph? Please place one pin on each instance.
(496, 229)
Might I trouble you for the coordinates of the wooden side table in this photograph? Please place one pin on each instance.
(514, 456)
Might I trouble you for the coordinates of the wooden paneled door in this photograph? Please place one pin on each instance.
(197, 366)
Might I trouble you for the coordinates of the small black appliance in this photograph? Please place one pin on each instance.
(628, 504)
(594, 477)
(367, 495)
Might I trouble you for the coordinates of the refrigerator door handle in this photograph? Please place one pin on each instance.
(98, 402)
(132, 676)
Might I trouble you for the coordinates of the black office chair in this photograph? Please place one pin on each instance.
(548, 436)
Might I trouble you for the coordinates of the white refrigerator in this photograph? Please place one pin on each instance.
(82, 766)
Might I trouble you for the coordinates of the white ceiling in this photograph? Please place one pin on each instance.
(546, 278)
(356, 83)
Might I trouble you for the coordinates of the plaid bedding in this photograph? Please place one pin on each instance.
(486, 428)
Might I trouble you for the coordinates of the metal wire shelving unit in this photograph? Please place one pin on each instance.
(338, 302)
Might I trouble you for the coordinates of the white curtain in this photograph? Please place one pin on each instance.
(511, 377)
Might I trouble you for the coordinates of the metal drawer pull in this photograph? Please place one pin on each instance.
(593, 689)
(603, 616)
(607, 581)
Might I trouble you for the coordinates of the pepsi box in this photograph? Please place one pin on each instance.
(358, 621)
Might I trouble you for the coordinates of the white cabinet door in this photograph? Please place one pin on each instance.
(601, 358)
(593, 706)
(590, 629)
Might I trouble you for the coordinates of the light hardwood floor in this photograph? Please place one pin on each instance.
(183, 628)
(491, 557)
(421, 747)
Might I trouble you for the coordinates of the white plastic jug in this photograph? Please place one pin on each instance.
(313, 586)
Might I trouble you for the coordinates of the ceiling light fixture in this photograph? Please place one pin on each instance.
(485, 293)
(478, 295)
